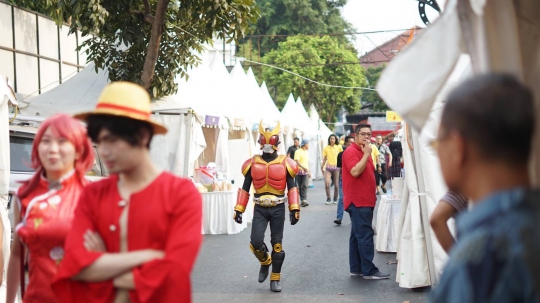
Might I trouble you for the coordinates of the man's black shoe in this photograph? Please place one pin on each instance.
(274, 286)
(263, 273)
(337, 221)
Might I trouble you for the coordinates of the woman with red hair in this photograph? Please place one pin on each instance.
(44, 206)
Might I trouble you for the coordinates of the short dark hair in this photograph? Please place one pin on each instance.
(335, 138)
(360, 126)
(489, 107)
(127, 129)
(296, 139)
(347, 138)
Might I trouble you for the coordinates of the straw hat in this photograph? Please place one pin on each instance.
(125, 99)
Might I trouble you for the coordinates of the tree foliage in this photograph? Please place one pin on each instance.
(293, 17)
(149, 41)
(316, 58)
(370, 96)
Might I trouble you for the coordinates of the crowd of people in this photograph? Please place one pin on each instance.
(104, 241)
(487, 124)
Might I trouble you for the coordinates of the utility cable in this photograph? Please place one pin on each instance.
(280, 68)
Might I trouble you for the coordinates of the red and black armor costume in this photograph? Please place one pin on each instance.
(271, 175)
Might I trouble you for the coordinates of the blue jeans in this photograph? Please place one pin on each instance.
(361, 247)
(340, 200)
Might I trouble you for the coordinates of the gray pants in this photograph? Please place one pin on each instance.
(261, 217)
(302, 183)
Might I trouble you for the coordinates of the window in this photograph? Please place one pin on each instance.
(20, 149)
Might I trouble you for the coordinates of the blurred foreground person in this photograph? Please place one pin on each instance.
(44, 206)
(485, 133)
(135, 235)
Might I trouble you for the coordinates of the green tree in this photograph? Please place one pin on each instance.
(149, 41)
(371, 96)
(321, 59)
(293, 17)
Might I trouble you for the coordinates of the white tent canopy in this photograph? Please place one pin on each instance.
(269, 107)
(80, 93)
(7, 96)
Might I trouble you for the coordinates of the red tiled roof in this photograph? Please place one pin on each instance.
(387, 51)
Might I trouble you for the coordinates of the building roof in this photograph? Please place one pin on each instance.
(384, 53)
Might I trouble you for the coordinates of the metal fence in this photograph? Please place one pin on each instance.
(35, 53)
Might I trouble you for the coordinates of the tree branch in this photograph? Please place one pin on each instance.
(147, 17)
(153, 46)
(147, 7)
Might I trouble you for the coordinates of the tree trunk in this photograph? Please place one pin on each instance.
(153, 47)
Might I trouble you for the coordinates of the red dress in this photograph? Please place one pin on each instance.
(46, 215)
(166, 215)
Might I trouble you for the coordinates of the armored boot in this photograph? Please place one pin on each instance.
(277, 256)
(266, 260)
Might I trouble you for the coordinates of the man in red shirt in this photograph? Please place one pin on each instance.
(135, 235)
(359, 201)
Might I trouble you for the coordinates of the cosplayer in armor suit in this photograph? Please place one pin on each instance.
(270, 174)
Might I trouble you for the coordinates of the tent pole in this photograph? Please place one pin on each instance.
(423, 206)
(188, 118)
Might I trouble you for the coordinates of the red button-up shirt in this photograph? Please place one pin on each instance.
(166, 215)
(357, 190)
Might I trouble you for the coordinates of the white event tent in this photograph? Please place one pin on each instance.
(7, 97)
(80, 93)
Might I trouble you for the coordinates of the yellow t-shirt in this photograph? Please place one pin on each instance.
(374, 154)
(331, 152)
(302, 157)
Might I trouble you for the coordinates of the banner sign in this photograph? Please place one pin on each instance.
(393, 117)
(211, 120)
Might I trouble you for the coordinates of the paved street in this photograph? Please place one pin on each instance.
(316, 266)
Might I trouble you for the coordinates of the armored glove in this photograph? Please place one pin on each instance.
(294, 215)
(238, 217)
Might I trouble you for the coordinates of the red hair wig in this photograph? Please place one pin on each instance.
(66, 127)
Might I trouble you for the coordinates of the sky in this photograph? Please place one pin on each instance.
(378, 15)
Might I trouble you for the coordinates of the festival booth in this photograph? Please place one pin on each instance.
(315, 148)
(496, 35)
(323, 132)
(177, 151)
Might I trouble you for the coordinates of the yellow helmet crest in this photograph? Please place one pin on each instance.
(267, 135)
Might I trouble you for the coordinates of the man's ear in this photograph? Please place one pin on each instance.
(461, 153)
(145, 137)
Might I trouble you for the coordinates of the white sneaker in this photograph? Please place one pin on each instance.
(377, 276)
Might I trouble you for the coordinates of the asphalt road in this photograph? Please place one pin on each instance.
(316, 267)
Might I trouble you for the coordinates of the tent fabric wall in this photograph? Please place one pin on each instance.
(7, 97)
(497, 34)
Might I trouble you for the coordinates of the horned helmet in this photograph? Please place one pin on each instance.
(269, 140)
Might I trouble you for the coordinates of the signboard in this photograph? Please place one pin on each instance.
(238, 122)
(393, 117)
(211, 120)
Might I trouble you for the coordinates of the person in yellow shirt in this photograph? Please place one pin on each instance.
(331, 171)
(301, 156)
(375, 158)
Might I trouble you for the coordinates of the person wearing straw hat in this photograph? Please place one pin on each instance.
(136, 234)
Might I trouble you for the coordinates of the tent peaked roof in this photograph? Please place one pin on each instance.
(238, 71)
(270, 109)
(290, 107)
(78, 94)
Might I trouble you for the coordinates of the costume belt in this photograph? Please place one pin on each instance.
(269, 200)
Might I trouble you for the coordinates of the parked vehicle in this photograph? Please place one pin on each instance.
(21, 137)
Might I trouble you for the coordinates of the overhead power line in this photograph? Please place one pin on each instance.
(280, 68)
(331, 34)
